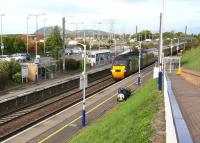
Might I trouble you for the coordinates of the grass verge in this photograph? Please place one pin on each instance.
(129, 123)
(191, 59)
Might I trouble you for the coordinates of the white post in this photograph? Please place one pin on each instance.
(160, 55)
(44, 36)
(36, 34)
(84, 71)
(2, 46)
(27, 34)
(99, 34)
(36, 22)
(139, 64)
(171, 46)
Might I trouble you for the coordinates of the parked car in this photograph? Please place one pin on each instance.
(21, 57)
(68, 51)
(76, 50)
(6, 58)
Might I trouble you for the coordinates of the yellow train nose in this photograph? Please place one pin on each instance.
(118, 72)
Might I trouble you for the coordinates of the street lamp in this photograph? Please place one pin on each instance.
(45, 19)
(99, 34)
(2, 46)
(27, 18)
(160, 54)
(171, 46)
(36, 18)
(84, 84)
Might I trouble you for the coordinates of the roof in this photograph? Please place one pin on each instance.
(99, 51)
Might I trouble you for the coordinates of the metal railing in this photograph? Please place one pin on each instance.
(176, 128)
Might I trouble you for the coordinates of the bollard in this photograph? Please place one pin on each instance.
(138, 81)
(179, 71)
(160, 80)
(83, 118)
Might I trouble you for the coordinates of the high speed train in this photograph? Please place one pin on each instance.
(127, 63)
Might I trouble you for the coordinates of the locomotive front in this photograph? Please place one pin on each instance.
(119, 68)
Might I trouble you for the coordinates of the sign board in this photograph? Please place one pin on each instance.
(82, 82)
(24, 71)
(155, 72)
(36, 61)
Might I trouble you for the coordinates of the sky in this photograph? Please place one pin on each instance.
(119, 16)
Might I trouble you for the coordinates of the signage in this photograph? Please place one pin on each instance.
(82, 82)
(24, 71)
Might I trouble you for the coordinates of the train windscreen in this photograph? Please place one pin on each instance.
(119, 62)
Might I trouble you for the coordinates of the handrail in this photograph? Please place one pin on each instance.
(177, 124)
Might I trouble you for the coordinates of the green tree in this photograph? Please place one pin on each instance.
(54, 43)
(14, 44)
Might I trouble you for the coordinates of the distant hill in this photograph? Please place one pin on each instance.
(88, 32)
(49, 30)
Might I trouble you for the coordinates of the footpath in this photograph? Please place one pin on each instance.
(188, 98)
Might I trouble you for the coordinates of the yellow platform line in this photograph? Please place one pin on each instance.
(59, 130)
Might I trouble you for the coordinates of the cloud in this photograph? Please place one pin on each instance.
(125, 13)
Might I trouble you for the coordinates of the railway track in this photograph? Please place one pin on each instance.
(19, 120)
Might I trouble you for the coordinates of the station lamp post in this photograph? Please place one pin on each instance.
(44, 20)
(27, 18)
(99, 34)
(171, 47)
(160, 54)
(2, 46)
(36, 18)
(83, 82)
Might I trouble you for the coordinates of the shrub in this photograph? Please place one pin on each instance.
(4, 68)
(17, 77)
(10, 68)
(71, 64)
(13, 68)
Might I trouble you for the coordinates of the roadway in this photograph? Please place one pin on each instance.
(61, 127)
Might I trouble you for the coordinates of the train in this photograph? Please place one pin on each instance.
(127, 63)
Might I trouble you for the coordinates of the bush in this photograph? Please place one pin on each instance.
(13, 69)
(3, 80)
(4, 68)
(71, 64)
(10, 68)
(9, 71)
(17, 77)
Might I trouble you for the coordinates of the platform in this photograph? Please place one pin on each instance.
(11, 94)
(188, 98)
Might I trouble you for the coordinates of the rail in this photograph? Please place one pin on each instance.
(176, 128)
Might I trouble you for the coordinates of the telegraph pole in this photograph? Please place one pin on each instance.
(185, 36)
